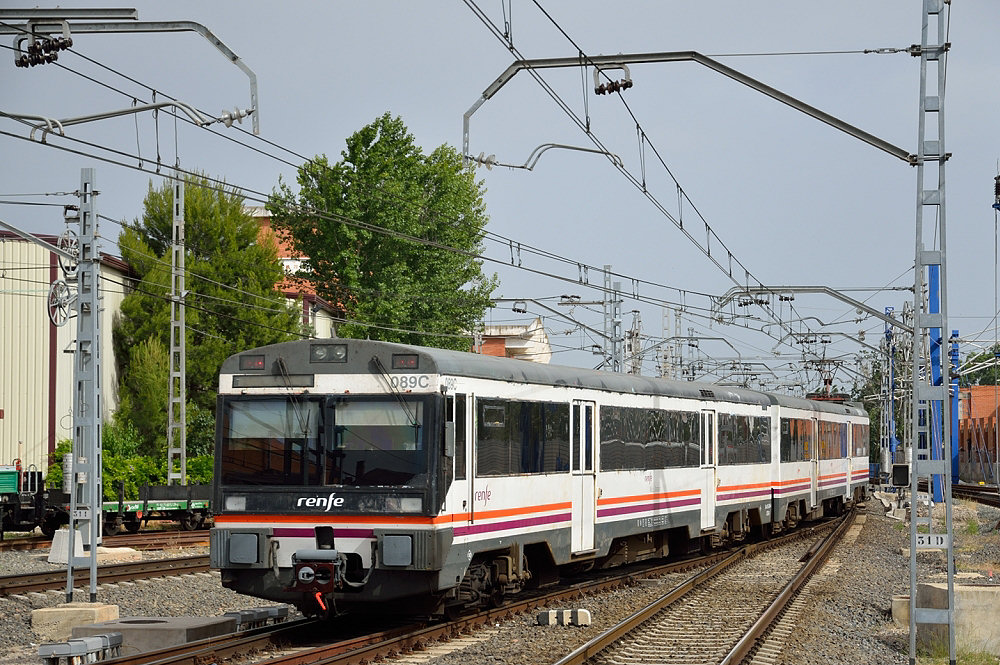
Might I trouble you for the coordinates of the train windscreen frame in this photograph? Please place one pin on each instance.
(343, 441)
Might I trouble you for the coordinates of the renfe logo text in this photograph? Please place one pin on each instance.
(324, 502)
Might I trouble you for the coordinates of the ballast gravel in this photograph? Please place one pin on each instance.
(849, 618)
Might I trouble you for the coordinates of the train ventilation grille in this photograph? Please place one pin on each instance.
(707, 393)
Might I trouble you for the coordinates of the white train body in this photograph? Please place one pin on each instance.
(358, 475)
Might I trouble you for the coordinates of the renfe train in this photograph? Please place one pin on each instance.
(354, 475)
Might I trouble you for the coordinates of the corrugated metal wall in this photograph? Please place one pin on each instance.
(36, 360)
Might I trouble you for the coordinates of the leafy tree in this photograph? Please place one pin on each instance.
(389, 285)
(222, 253)
(144, 394)
(985, 370)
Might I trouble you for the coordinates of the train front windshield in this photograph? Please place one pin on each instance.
(344, 441)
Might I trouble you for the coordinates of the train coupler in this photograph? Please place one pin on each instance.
(317, 572)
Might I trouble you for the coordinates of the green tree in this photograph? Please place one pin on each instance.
(223, 252)
(985, 368)
(389, 285)
(144, 394)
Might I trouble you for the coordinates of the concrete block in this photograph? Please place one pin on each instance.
(140, 634)
(901, 611)
(976, 609)
(60, 546)
(580, 617)
(564, 617)
(117, 554)
(546, 618)
(56, 624)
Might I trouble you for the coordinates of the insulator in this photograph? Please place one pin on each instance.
(52, 57)
(21, 62)
(66, 42)
(626, 84)
(996, 188)
(600, 89)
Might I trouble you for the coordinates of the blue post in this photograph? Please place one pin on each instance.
(935, 407)
(954, 407)
(891, 345)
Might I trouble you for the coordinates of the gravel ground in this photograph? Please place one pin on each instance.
(191, 595)
(849, 622)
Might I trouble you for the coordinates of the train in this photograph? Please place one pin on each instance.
(26, 503)
(359, 476)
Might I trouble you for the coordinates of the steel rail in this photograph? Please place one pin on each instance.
(56, 579)
(590, 649)
(149, 540)
(762, 626)
(235, 646)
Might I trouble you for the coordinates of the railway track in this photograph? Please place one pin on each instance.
(984, 494)
(295, 643)
(149, 540)
(120, 572)
(718, 616)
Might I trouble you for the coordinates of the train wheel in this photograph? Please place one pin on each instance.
(49, 527)
(133, 526)
(112, 528)
(189, 521)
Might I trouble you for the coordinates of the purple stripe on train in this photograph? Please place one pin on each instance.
(804, 487)
(656, 505)
(748, 494)
(512, 524)
(310, 532)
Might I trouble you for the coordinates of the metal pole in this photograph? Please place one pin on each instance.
(929, 316)
(177, 395)
(87, 495)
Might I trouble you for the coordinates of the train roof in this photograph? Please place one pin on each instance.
(474, 365)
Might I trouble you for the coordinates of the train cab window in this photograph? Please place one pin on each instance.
(377, 442)
(301, 441)
(455, 413)
(461, 438)
(271, 442)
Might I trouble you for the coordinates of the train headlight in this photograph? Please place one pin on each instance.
(328, 353)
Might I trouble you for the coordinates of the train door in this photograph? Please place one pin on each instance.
(708, 466)
(814, 465)
(459, 496)
(471, 448)
(848, 436)
(582, 476)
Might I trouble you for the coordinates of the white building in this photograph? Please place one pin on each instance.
(36, 356)
(524, 342)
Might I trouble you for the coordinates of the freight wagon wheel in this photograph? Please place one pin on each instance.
(111, 528)
(189, 521)
(133, 526)
(48, 528)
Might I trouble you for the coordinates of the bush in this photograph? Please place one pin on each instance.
(132, 470)
(54, 475)
(200, 432)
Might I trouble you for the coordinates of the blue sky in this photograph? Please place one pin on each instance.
(795, 201)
